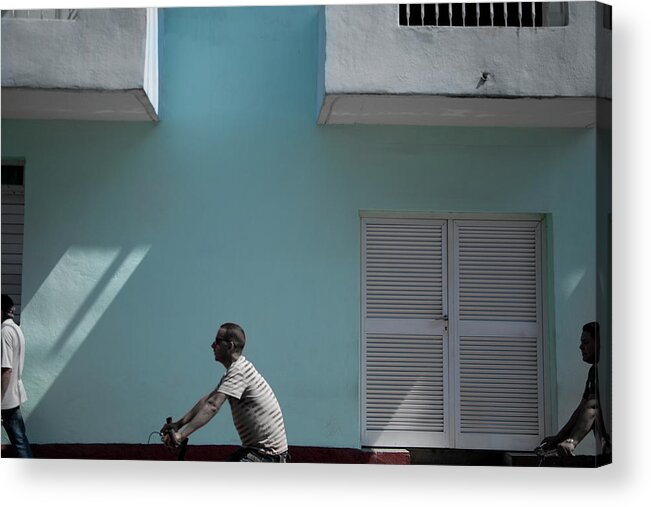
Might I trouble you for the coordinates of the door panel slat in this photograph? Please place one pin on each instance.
(404, 392)
(498, 375)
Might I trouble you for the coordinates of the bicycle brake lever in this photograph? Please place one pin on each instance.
(544, 450)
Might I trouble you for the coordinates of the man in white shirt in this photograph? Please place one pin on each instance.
(255, 409)
(13, 392)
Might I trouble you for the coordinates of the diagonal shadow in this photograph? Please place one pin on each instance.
(89, 302)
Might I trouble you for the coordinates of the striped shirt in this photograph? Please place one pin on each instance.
(256, 412)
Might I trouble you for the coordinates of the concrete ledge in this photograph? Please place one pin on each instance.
(462, 111)
(156, 452)
(322, 455)
(388, 456)
(529, 459)
(78, 104)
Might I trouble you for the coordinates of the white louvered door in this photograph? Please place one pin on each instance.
(498, 334)
(404, 349)
(477, 383)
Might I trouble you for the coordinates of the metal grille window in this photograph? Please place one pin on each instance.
(50, 14)
(494, 14)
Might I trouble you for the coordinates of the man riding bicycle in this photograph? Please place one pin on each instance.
(588, 415)
(255, 409)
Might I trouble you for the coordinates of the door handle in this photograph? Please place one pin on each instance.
(444, 318)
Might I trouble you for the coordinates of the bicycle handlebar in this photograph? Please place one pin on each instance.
(183, 445)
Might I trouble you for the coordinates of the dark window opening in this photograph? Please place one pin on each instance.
(13, 174)
(499, 19)
(485, 15)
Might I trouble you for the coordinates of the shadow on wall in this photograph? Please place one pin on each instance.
(64, 312)
(111, 346)
(104, 282)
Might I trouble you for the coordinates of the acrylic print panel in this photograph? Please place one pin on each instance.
(405, 208)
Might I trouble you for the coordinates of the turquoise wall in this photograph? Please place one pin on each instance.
(141, 239)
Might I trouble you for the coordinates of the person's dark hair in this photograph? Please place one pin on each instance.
(7, 303)
(233, 333)
(592, 328)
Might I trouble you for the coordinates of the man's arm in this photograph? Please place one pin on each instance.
(576, 428)
(565, 431)
(7, 346)
(586, 415)
(6, 378)
(198, 416)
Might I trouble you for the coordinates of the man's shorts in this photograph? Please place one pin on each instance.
(246, 454)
